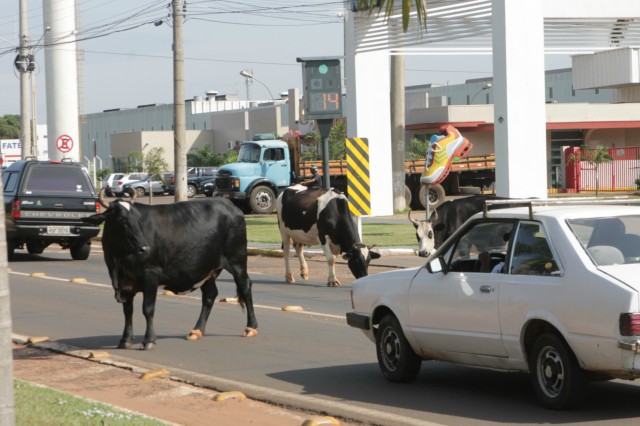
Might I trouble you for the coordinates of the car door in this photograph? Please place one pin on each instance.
(457, 311)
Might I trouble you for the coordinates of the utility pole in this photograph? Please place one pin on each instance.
(397, 132)
(179, 130)
(23, 64)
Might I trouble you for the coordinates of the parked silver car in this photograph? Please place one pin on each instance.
(118, 185)
(141, 187)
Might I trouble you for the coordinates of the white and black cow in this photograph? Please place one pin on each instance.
(319, 216)
(180, 247)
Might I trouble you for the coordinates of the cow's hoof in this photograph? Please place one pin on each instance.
(125, 344)
(195, 335)
(304, 275)
(334, 284)
(148, 346)
(250, 332)
(289, 280)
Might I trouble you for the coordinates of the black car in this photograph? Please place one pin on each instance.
(45, 202)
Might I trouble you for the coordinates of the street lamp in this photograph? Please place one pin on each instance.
(485, 87)
(246, 74)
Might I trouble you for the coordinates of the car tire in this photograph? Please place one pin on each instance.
(397, 360)
(80, 250)
(35, 247)
(558, 380)
(140, 192)
(262, 200)
(191, 191)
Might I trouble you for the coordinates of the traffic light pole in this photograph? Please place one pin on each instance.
(324, 125)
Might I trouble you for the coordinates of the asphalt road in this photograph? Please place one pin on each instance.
(310, 359)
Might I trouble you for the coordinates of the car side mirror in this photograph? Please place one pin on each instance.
(436, 265)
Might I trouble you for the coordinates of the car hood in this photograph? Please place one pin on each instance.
(242, 169)
(384, 280)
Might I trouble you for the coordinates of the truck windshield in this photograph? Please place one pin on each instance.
(249, 153)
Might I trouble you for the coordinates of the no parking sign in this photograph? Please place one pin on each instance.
(64, 143)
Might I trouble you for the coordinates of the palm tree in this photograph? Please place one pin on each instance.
(594, 156)
(388, 5)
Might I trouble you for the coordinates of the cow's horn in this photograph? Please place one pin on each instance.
(101, 200)
(415, 222)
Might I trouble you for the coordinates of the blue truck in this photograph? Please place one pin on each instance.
(262, 170)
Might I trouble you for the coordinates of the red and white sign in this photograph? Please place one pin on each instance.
(64, 143)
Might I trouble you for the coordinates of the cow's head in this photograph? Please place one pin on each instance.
(122, 233)
(424, 235)
(358, 258)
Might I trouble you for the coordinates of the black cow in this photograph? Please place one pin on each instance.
(312, 216)
(180, 247)
(447, 218)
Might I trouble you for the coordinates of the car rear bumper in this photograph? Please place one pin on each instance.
(42, 231)
(360, 321)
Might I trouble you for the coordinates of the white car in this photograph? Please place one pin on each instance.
(552, 289)
(107, 182)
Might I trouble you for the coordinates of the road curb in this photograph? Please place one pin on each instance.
(256, 392)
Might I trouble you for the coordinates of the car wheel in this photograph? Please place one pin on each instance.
(140, 192)
(191, 191)
(108, 192)
(80, 250)
(35, 247)
(557, 378)
(262, 200)
(396, 359)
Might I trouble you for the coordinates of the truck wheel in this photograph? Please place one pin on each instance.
(35, 247)
(436, 196)
(407, 196)
(262, 200)
(191, 191)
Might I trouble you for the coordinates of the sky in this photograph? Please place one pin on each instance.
(127, 60)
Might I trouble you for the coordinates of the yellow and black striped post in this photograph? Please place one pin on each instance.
(358, 184)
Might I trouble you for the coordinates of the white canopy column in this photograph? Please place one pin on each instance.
(519, 103)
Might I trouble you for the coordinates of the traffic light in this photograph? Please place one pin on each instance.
(322, 90)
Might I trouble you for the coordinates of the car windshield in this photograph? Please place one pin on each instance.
(609, 240)
(249, 153)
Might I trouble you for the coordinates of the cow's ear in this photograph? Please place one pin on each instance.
(374, 255)
(347, 255)
(95, 219)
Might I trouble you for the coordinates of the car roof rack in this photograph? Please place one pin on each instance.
(537, 202)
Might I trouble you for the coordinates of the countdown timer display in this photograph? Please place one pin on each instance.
(322, 89)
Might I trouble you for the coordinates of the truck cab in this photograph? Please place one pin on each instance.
(262, 170)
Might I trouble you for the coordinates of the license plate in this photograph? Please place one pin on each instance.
(58, 230)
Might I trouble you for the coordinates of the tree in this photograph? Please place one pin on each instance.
(417, 149)
(10, 127)
(593, 156)
(388, 5)
(337, 140)
(153, 162)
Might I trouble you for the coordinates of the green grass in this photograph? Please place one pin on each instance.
(37, 405)
(264, 229)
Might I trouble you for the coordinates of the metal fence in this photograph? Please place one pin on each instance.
(617, 175)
